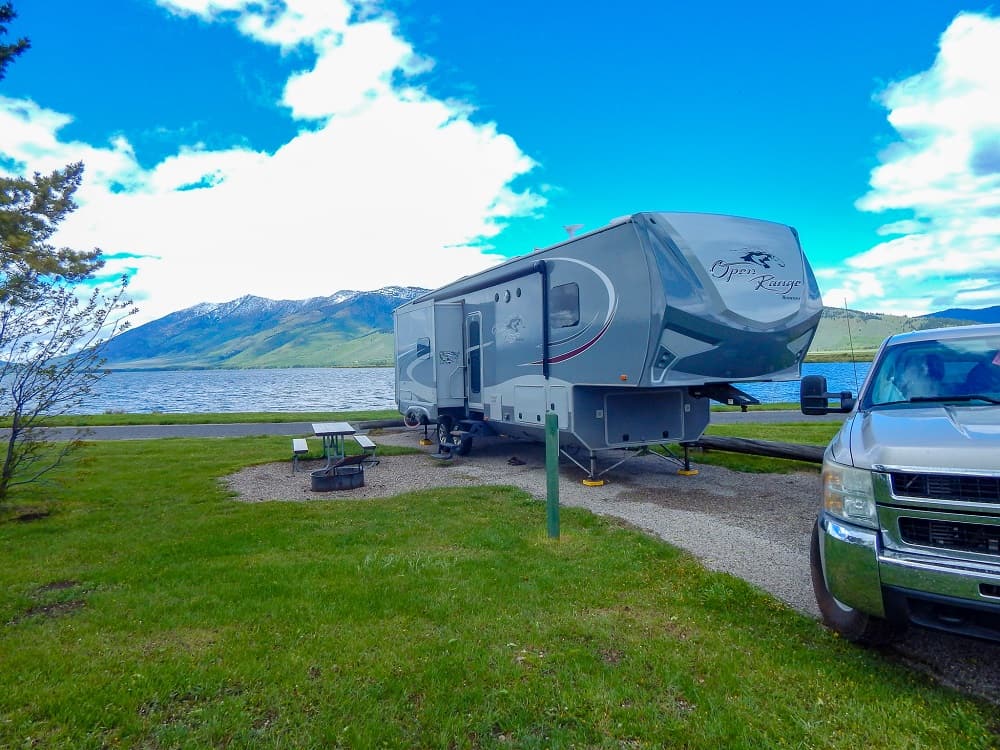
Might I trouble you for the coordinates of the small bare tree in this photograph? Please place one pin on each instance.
(54, 322)
(50, 361)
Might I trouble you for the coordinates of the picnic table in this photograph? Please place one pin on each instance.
(333, 434)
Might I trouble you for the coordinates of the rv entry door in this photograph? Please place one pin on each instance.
(448, 351)
(474, 359)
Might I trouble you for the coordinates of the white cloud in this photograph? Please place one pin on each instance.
(371, 52)
(207, 9)
(390, 186)
(945, 171)
(841, 288)
(317, 22)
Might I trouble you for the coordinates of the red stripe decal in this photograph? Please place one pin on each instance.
(579, 349)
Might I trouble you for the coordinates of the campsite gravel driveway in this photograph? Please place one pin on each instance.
(753, 526)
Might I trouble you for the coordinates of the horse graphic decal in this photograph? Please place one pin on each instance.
(760, 257)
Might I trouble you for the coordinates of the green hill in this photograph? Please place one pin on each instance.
(842, 331)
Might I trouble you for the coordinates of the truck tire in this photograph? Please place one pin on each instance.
(852, 624)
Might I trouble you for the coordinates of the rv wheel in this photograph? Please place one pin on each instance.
(464, 446)
(445, 426)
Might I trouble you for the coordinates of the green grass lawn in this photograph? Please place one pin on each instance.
(148, 609)
(806, 433)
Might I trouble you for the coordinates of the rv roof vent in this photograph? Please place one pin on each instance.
(620, 220)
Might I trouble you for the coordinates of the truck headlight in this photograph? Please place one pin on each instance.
(848, 494)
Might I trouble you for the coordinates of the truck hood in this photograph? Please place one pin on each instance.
(947, 437)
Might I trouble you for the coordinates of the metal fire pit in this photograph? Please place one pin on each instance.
(338, 478)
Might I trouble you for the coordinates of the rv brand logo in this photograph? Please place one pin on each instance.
(447, 358)
(750, 266)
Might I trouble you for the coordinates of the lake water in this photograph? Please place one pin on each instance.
(293, 389)
(329, 389)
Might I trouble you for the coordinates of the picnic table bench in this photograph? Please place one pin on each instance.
(333, 435)
(368, 448)
(299, 448)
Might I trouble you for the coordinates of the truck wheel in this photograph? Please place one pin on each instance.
(854, 625)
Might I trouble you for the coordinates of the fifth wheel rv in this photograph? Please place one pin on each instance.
(626, 333)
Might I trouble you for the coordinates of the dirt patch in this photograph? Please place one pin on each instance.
(50, 611)
(33, 514)
(57, 586)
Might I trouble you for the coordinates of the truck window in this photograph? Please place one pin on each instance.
(924, 370)
(564, 305)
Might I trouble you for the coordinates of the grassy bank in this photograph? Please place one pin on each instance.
(859, 355)
(117, 418)
(142, 607)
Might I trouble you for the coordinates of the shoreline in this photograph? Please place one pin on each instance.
(862, 355)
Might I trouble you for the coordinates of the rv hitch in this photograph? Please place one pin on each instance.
(724, 393)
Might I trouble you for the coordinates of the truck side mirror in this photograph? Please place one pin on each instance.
(814, 399)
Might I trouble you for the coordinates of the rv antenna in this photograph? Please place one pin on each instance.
(854, 359)
(572, 229)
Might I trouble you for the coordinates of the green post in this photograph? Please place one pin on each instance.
(552, 474)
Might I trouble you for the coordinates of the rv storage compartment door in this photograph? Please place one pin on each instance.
(559, 403)
(644, 417)
(529, 404)
(449, 349)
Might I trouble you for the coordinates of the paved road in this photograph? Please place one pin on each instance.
(147, 432)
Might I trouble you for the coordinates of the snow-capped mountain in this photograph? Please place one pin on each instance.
(348, 328)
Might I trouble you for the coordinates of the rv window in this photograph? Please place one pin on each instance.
(475, 361)
(423, 347)
(564, 306)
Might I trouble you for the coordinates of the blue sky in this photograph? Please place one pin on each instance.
(295, 148)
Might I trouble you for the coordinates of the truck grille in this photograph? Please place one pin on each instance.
(947, 487)
(963, 537)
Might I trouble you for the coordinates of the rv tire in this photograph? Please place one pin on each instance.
(464, 446)
(445, 425)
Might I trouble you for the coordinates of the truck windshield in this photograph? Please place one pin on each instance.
(961, 370)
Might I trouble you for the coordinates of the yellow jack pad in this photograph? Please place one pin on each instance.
(593, 482)
(425, 441)
(687, 472)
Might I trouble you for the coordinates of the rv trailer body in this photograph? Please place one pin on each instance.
(626, 332)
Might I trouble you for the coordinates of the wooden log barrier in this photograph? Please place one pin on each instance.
(795, 451)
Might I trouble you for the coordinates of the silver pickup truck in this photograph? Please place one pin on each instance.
(909, 531)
